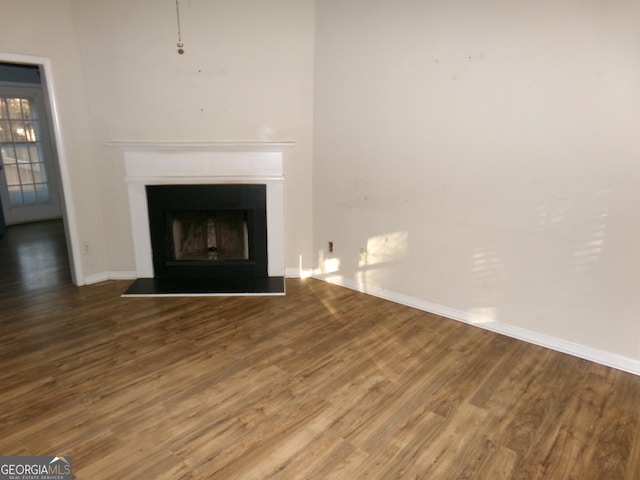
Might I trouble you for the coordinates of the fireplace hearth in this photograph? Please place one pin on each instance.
(197, 229)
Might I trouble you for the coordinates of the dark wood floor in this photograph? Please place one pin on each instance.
(33, 256)
(324, 383)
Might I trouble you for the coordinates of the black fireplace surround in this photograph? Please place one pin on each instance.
(208, 239)
(242, 207)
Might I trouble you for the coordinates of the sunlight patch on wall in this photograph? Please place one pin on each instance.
(328, 265)
(490, 277)
(487, 265)
(377, 258)
(589, 249)
(385, 248)
(303, 273)
(331, 265)
(552, 215)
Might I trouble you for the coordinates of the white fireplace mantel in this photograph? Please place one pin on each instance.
(161, 163)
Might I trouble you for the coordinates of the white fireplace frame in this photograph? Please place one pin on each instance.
(153, 163)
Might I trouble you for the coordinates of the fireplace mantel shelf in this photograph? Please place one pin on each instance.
(210, 146)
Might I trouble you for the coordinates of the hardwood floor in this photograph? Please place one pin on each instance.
(33, 256)
(324, 383)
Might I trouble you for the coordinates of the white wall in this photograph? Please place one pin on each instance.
(43, 30)
(485, 153)
(246, 75)
(482, 152)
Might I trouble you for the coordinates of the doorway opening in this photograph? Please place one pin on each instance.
(32, 173)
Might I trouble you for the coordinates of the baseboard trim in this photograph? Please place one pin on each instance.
(298, 272)
(585, 352)
(104, 276)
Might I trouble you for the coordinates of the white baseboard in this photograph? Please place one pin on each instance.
(104, 276)
(602, 357)
(298, 272)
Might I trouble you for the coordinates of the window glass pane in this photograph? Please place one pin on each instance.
(27, 111)
(22, 153)
(15, 108)
(15, 196)
(39, 173)
(29, 196)
(11, 174)
(32, 130)
(19, 131)
(4, 113)
(42, 193)
(26, 174)
(5, 131)
(15, 193)
(34, 153)
(8, 154)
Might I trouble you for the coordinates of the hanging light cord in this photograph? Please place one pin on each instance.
(179, 44)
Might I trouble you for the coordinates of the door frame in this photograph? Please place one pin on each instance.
(61, 167)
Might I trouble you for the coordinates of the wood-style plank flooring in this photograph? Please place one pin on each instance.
(324, 383)
(33, 256)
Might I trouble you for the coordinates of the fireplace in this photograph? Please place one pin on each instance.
(216, 208)
(208, 230)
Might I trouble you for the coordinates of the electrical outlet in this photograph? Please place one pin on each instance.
(87, 249)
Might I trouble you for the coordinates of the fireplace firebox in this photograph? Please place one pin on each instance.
(208, 230)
